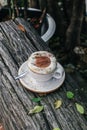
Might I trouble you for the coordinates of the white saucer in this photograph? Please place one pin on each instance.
(40, 87)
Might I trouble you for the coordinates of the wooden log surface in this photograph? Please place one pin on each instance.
(16, 101)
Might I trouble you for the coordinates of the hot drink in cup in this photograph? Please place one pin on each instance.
(43, 66)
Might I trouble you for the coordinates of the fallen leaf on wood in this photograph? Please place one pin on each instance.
(56, 129)
(57, 104)
(70, 94)
(21, 27)
(36, 99)
(80, 108)
(36, 109)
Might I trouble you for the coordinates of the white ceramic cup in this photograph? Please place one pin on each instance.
(50, 69)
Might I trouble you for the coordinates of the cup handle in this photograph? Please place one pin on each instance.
(58, 73)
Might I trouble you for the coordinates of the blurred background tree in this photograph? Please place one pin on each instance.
(69, 16)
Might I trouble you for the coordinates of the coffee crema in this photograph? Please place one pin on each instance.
(42, 62)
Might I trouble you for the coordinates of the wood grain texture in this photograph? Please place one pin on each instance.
(15, 101)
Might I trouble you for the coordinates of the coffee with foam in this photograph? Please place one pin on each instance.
(42, 62)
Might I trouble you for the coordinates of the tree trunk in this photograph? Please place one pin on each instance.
(68, 11)
(25, 8)
(68, 21)
(43, 4)
(34, 4)
(57, 14)
(74, 29)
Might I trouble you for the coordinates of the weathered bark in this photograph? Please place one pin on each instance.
(74, 29)
(15, 101)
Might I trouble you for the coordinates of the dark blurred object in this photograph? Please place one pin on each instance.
(4, 14)
(37, 22)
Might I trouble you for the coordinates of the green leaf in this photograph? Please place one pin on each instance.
(36, 109)
(80, 108)
(56, 129)
(57, 104)
(70, 95)
(36, 99)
